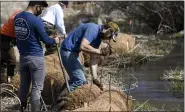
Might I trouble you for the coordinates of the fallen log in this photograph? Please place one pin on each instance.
(124, 43)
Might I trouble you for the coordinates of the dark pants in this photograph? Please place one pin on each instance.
(8, 59)
(50, 30)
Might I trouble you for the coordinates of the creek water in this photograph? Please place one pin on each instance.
(151, 88)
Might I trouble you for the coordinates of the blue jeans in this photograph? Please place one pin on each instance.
(71, 62)
(32, 70)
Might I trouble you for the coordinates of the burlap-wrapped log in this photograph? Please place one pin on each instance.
(99, 57)
(76, 99)
(124, 43)
(54, 79)
(102, 103)
(87, 59)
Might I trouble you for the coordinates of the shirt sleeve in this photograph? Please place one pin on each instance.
(91, 33)
(59, 22)
(39, 26)
(96, 43)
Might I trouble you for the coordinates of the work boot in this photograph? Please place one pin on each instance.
(23, 106)
(97, 83)
(35, 106)
(2, 74)
(9, 79)
(10, 72)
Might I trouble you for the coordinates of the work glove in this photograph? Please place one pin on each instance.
(97, 83)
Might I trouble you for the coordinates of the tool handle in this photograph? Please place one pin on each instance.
(63, 71)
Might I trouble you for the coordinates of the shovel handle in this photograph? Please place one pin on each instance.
(62, 68)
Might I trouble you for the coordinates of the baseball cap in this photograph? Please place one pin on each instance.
(42, 3)
(115, 29)
(64, 2)
(113, 26)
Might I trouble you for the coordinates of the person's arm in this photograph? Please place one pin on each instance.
(91, 33)
(60, 21)
(86, 47)
(93, 66)
(39, 26)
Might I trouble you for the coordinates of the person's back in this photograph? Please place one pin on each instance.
(29, 32)
(50, 14)
(53, 20)
(28, 35)
(90, 31)
(8, 27)
(55, 16)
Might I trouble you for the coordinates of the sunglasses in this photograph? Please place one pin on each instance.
(113, 35)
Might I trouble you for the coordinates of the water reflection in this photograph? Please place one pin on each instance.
(151, 87)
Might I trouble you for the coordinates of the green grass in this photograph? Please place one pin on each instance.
(178, 35)
(176, 74)
(177, 88)
(176, 81)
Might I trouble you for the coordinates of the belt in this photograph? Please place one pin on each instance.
(48, 23)
(73, 53)
(64, 49)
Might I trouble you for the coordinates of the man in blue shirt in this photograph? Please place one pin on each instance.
(87, 38)
(29, 32)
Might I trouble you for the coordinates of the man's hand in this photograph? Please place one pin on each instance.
(105, 49)
(65, 36)
(57, 39)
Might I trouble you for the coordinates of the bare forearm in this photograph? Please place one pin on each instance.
(94, 66)
(90, 49)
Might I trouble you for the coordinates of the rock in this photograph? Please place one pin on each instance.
(117, 15)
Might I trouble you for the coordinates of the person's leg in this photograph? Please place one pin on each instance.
(74, 69)
(2, 72)
(4, 47)
(37, 69)
(25, 80)
(11, 63)
(8, 54)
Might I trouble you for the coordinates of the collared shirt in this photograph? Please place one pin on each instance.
(55, 16)
(89, 31)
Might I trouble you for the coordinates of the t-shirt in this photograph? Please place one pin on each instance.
(89, 31)
(8, 27)
(29, 32)
(55, 16)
